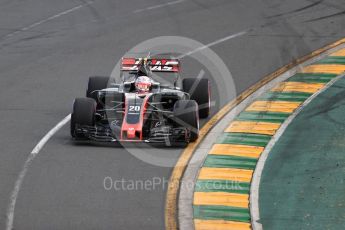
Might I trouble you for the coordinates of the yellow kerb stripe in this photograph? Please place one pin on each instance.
(339, 53)
(298, 87)
(220, 225)
(237, 150)
(253, 127)
(222, 199)
(273, 106)
(241, 175)
(335, 69)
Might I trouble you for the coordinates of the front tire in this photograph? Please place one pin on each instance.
(94, 84)
(199, 90)
(186, 115)
(83, 113)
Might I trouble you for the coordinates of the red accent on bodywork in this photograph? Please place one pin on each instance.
(131, 133)
(132, 129)
(128, 61)
(157, 65)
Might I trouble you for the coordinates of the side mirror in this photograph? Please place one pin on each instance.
(155, 87)
(127, 86)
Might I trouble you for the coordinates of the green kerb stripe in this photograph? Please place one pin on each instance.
(220, 161)
(244, 139)
(222, 186)
(221, 213)
(285, 96)
(262, 117)
(332, 60)
(312, 77)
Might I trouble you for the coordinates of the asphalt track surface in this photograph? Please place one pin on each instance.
(49, 48)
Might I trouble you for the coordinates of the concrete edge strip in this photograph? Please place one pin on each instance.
(255, 184)
(185, 196)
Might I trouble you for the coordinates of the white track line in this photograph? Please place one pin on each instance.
(185, 195)
(158, 6)
(46, 20)
(44, 140)
(255, 185)
(21, 176)
(239, 34)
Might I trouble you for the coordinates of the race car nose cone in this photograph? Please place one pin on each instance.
(131, 133)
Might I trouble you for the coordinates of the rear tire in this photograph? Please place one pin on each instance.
(199, 90)
(83, 113)
(96, 83)
(186, 114)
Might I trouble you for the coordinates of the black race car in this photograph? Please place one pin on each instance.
(139, 108)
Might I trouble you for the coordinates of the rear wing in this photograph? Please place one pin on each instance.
(156, 64)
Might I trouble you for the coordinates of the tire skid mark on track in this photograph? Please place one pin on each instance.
(246, 132)
(158, 6)
(172, 218)
(46, 20)
(313, 4)
(55, 129)
(216, 42)
(326, 17)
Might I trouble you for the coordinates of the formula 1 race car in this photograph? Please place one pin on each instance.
(139, 108)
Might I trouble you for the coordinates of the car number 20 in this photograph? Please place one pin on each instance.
(134, 108)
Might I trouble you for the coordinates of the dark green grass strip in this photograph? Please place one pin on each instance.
(222, 186)
(338, 60)
(207, 212)
(285, 96)
(262, 117)
(244, 139)
(312, 77)
(221, 161)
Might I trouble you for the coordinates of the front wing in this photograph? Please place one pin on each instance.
(164, 134)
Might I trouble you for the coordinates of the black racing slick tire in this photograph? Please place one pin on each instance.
(186, 115)
(83, 113)
(199, 90)
(96, 83)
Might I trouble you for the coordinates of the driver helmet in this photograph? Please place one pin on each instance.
(143, 84)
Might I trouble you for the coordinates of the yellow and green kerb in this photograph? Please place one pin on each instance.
(221, 194)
